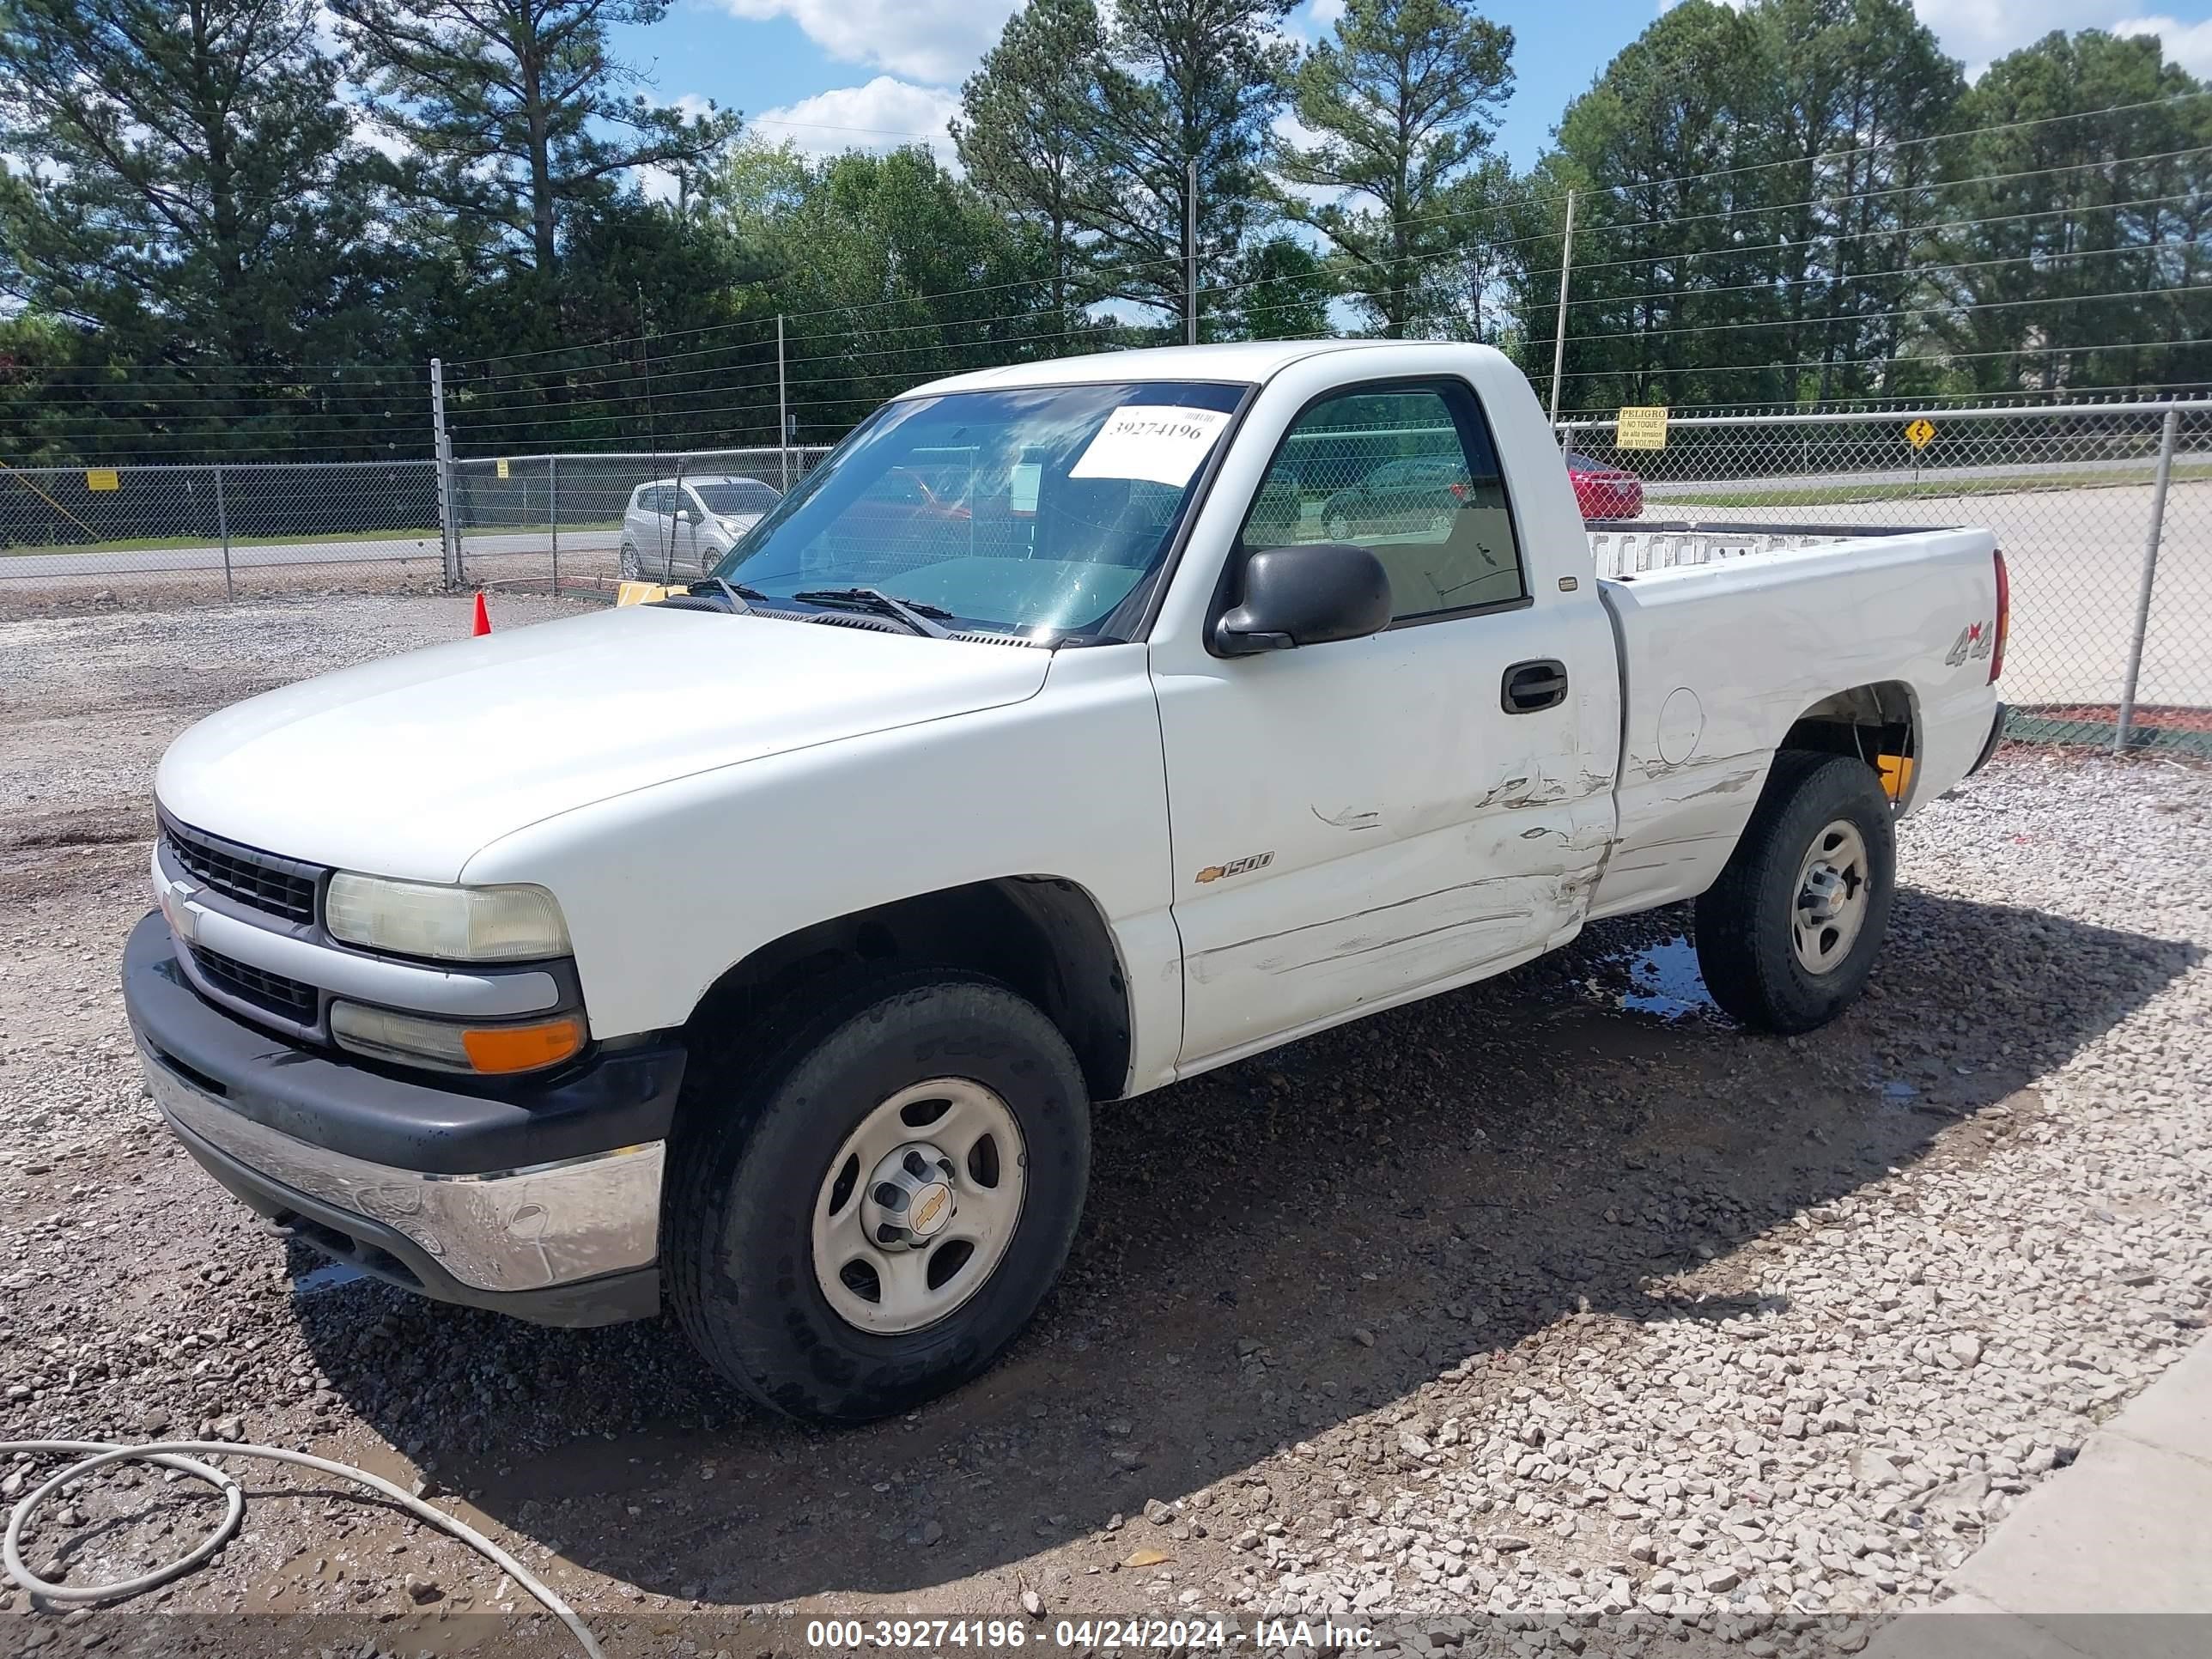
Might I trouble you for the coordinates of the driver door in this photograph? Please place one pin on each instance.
(1359, 821)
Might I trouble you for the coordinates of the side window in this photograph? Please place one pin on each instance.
(1408, 472)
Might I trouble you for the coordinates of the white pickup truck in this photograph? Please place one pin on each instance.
(1073, 728)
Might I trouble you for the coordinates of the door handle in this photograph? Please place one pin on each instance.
(1530, 686)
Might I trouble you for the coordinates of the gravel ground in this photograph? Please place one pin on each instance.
(1554, 1296)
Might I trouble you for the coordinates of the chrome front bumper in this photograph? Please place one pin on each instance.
(512, 1231)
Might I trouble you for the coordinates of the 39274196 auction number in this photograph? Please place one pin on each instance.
(990, 1635)
(851, 1635)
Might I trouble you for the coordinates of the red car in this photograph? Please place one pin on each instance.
(1603, 491)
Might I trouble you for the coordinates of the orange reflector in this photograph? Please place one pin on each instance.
(1896, 776)
(523, 1048)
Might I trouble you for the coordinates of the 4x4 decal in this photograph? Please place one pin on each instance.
(1973, 643)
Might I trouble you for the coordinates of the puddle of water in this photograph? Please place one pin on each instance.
(328, 1277)
(1664, 980)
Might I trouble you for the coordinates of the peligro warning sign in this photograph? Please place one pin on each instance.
(1642, 427)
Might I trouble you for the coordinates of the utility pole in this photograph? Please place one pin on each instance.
(1190, 253)
(1559, 336)
(441, 454)
(782, 406)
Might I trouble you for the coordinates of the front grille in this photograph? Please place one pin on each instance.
(276, 885)
(273, 994)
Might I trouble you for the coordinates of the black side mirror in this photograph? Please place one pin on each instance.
(1309, 594)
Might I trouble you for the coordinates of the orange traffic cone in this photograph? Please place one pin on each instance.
(484, 618)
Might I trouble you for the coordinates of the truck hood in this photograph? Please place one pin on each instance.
(409, 765)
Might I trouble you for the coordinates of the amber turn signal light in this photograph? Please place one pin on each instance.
(502, 1049)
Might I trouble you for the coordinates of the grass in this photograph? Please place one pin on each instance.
(143, 544)
(427, 533)
(1838, 495)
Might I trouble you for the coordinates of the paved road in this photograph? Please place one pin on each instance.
(2075, 556)
(2076, 559)
(2087, 471)
(142, 561)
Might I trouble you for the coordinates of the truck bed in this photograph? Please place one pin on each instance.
(1627, 547)
(1723, 647)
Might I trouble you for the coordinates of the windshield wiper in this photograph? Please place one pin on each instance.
(736, 595)
(917, 618)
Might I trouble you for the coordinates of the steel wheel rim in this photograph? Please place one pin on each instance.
(950, 1152)
(1835, 884)
(1339, 527)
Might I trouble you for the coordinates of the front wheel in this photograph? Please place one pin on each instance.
(868, 1216)
(631, 568)
(1787, 935)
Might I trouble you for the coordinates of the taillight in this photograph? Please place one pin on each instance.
(1459, 490)
(2004, 618)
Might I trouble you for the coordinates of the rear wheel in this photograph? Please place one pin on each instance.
(631, 568)
(1787, 935)
(868, 1216)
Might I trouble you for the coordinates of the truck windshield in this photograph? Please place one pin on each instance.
(1038, 510)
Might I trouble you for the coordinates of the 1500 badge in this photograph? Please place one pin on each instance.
(1973, 643)
(1250, 862)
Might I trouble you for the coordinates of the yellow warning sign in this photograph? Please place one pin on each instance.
(1641, 428)
(1918, 433)
(101, 477)
(502, 467)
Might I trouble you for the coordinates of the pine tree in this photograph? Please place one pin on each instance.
(1184, 82)
(186, 181)
(512, 115)
(1023, 131)
(1401, 103)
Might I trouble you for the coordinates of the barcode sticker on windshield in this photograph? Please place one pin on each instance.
(1157, 441)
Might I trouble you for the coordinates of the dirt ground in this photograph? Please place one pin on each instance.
(1309, 1290)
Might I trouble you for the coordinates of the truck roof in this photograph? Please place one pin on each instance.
(1246, 361)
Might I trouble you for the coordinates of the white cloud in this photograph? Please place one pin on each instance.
(660, 184)
(372, 134)
(882, 115)
(2189, 45)
(935, 40)
(1980, 30)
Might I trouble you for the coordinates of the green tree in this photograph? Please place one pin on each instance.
(1400, 102)
(2067, 191)
(185, 181)
(889, 270)
(1023, 132)
(515, 120)
(1664, 295)
(1185, 82)
(1860, 89)
(1282, 291)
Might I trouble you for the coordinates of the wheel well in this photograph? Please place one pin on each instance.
(1866, 720)
(1038, 935)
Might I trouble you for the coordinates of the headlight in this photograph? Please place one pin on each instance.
(489, 1050)
(454, 924)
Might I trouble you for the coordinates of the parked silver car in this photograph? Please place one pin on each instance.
(682, 526)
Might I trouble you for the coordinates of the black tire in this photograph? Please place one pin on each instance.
(762, 1127)
(1744, 921)
(631, 569)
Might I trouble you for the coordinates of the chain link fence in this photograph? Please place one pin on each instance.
(561, 524)
(180, 534)
(2104, 512)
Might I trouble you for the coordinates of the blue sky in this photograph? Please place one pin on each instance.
(831, 74)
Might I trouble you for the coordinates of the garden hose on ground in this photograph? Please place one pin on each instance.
(95, 1456)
